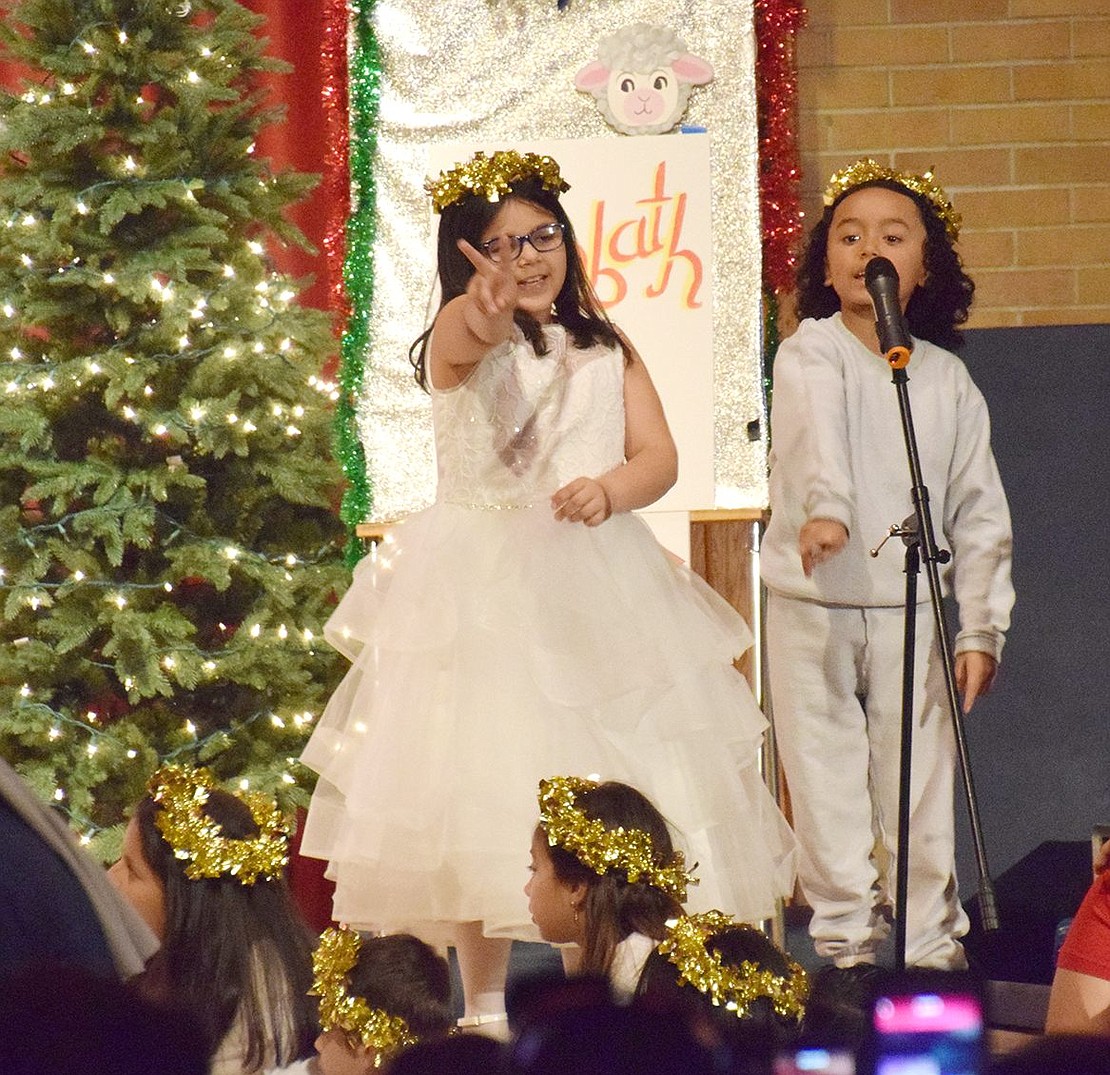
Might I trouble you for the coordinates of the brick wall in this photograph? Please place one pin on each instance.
(1009, 102)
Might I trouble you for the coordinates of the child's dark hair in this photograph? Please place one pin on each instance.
(935, 310)
(405, 977)
(661, 982)
(577, 308)
(231, 951)
(615, 907)
(752, 1038)
(838, 1012)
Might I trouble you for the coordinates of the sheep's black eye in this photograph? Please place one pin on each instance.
(660, 82)
(627, 85)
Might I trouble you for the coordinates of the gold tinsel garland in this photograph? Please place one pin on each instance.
(603, 849)
(734, 988)
(868, 170)
(181, 792)
(332, 962)
(491, 177)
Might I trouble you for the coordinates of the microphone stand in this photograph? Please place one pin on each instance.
(919, 538)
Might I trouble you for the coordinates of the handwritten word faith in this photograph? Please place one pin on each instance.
(655, 236)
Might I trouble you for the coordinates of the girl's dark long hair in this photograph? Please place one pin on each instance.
(934, 311)
(577, 308)
(231, 950)
(614, 906)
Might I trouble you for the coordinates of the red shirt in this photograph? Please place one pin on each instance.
(1086, 948)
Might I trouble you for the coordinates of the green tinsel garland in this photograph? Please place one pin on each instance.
(358, 268)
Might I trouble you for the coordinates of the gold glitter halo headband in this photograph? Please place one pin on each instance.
(734, 988)
(492, 177)
(332, 962)
(603, 849)
(181, 792)
(868, 171)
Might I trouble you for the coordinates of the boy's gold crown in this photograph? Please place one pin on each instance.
(491, 177)
(869, 170)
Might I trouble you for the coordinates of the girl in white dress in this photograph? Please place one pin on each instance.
(528, 622)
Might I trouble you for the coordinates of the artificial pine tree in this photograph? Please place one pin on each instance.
(169, 547)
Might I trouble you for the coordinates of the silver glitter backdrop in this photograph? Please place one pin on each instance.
(501, 72)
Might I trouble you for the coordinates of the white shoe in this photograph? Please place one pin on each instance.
(495, 1025)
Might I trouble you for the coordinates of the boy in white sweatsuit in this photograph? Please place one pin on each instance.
(839, 479)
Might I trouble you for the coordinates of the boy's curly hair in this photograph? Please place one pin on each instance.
(936, 309)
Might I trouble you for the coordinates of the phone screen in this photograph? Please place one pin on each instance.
(815, 1062)
(928, 1033)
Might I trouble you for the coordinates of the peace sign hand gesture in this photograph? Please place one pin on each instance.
(492, 292)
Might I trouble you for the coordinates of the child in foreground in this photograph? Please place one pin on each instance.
(605, 877)
(205, 870)
(378, 997)
(607, 881)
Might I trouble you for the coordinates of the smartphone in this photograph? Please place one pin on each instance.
(809, 1061)
(927, 1023)
(1099, 835)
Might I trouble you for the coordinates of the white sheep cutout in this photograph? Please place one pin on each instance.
(642, 78)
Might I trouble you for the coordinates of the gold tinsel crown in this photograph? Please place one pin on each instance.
(869, 170)
(491, 177)
(734, 988)
(602, 849)
(181, 791)
(332, 962)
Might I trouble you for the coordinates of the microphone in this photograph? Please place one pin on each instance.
(881, 279)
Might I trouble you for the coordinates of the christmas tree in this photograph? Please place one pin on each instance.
(169, 547)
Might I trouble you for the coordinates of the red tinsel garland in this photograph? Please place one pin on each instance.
(776, 25)
(336, 182)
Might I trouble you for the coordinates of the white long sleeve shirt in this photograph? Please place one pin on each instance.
(838, 452)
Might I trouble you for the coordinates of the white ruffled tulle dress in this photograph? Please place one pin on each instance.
(492, 646)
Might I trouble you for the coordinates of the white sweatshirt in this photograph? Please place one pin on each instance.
(838, 452)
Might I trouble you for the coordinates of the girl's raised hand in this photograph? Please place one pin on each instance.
(492, 291)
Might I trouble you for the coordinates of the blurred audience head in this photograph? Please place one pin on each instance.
(838, 1011)
(457, 1054)
(1056, 1054)
(587, 1033)
(59, 1019)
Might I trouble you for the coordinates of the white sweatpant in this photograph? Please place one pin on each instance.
(836, 687)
